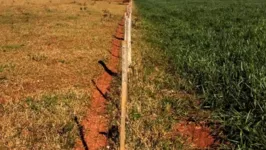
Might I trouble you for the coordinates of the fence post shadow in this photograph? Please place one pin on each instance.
(110, 72)
(81, 133)
(104, 95)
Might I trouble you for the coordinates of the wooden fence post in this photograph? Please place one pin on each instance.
(123, 96)
(126, 62)
(129, 34)
(125, 28)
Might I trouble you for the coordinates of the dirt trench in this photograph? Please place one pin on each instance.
(96, 122)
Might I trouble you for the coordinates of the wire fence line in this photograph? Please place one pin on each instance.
(126, 62)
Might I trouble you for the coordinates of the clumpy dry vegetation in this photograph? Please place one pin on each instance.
(48, 56)
(158, 101)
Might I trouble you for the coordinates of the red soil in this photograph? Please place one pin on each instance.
(2, 100)
(198, 135)
(97, 120)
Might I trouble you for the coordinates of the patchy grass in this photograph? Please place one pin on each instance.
(154, 107)
(49, 53)
(158, 100)
(43, 122)
(67, 44)
(7, 66)
(2, 67)
(11, 47)
(37, 57)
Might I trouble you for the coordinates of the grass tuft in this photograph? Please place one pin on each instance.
(11, 47)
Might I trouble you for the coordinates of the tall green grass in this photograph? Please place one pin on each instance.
(220, 47)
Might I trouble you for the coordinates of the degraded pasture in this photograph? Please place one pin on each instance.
(49, 53)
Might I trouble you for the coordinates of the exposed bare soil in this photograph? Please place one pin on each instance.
(96, 124)
(197, 135)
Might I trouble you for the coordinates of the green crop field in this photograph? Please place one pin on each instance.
(219, 46)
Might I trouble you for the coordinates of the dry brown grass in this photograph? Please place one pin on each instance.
(23, 2)
(52, 47)
(158, 98)
(154, 105)
(49, 53)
